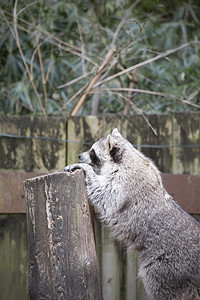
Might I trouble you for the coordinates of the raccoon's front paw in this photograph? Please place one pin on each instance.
(85, 167)
(71, 168)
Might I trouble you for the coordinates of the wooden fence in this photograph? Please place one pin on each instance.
(31, 146)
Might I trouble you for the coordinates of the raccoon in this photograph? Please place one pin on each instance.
(126, 188)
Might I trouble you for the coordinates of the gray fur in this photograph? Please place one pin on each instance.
(126, 189)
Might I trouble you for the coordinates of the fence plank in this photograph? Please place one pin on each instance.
(13, 257)
(82, 132)
(185, 189)
(32, 154)
(186, 131)
(12, 198)
(63, 262)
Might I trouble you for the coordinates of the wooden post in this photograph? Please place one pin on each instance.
(62, 255)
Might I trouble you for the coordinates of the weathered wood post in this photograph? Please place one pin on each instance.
(62, 255)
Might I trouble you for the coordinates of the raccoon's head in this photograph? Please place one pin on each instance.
(105, 154)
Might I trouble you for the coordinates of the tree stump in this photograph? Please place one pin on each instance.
(62, 255)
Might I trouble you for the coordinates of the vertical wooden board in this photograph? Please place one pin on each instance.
(98, 241)
(122, 254)
(12, 198)
(109, 122)
(13, 257)
(63, 263)
(110, 267)
(140, 133)
(135, 288)
(161, 155)
(164, 155)
(75, 139)
(177, 162)
(131, 276)
(82, 132)
(141, 293)
(136, 130)
(29, 154)
(186, 131)
(152, 138)
(96, 128)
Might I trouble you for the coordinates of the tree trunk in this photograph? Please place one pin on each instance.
(62, 255)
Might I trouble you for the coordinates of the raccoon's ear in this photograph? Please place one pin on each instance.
(114, 149)
(111, 141)
(115, 132)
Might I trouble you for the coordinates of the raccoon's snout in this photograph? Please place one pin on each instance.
(84, 158)
(90, 158)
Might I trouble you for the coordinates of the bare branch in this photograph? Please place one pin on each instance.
(189, 103)
(74, 80)
(146, 62)
(81, 40)
(43, 31)
(112, 64)
(8, 24)
(42, 72)
(139, 91)
(34, 54)
(132, 83)
(138, 110)
(27, 6)
(193, 95)
(57, 42)
(93, 81)
(60, 46)
(123, 20)
(95, 103)
(73, 97)
(16, 36)
(107, 59)
(113, 90)
(32, 61)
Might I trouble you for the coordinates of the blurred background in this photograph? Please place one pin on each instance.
(50, 50)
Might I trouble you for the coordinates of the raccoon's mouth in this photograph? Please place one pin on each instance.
(91, 160)
(82, 160)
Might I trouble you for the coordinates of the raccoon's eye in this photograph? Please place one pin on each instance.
(95, 160)
(116, 154)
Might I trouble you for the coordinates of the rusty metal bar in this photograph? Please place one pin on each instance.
(184, 188)
(12, 199)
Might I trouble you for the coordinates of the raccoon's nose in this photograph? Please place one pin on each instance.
(79, 156)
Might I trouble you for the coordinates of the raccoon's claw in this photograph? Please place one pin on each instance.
(71, 168)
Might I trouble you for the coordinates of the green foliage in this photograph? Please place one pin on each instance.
(60, 41)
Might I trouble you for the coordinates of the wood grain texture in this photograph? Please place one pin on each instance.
(63, 262)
